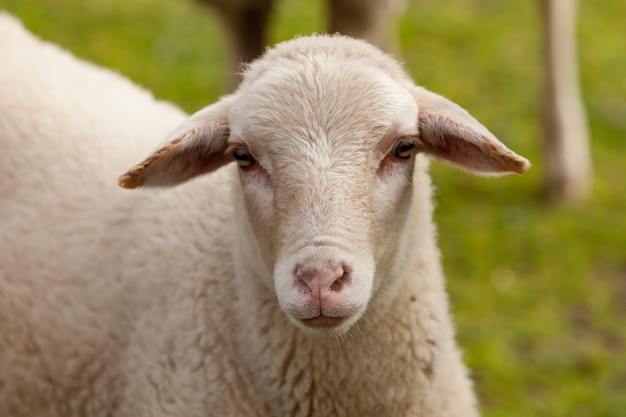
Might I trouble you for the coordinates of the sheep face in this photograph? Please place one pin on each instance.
(327, 133)
(325, 169)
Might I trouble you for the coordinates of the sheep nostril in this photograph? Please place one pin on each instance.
(321, 281)
(337, 285)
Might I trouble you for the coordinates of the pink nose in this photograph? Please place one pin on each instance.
(321, 283)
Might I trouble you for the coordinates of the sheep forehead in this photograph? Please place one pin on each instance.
(333, 48)
(323, 104)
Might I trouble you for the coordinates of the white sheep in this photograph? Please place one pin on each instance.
(302, 281)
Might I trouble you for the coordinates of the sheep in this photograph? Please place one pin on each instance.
(298, 274)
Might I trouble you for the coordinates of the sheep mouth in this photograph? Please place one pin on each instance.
(323, 322)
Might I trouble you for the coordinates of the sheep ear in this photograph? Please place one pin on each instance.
(196, 147)
(448, 132)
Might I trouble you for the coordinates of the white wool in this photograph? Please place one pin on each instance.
(305, 283)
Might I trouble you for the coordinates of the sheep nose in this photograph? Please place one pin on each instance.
(321, 282)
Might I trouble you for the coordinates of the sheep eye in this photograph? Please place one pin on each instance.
(243, 156)
(403, 148)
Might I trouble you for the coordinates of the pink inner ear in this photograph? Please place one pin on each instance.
(180, 160)
(200, 163)
(458, 151)
(200, 155)
(470, 147)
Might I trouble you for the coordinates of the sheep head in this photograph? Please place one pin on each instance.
(327, 132)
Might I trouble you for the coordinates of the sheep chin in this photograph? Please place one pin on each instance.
(326, 325)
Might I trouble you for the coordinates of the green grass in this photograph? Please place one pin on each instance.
(538, 291)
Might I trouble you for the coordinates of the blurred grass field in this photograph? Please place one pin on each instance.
(538, 291)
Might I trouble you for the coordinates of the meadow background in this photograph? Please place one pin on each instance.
(538, 290)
